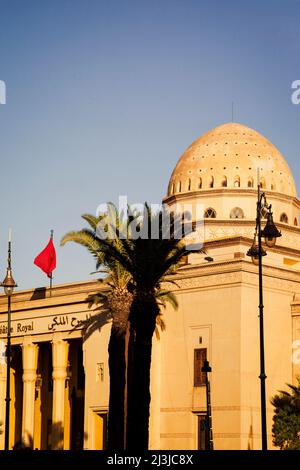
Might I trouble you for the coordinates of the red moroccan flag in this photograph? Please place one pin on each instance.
(46, 260)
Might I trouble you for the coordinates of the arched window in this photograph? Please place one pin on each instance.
(295, 221)
(224, 182)
(284, 218)
(173, 189)
(211, 182)
(273, 187)
(210, 213)
(179, 187)
(236, 213)
(200, 183)
(250, 182)
(262, 183)
(189, 184)
(237, 182)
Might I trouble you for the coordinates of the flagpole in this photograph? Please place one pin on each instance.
(51, 277)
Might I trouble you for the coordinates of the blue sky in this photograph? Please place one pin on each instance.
(104, 96)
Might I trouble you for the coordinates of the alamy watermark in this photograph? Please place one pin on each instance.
(152, 221)
(2, 92)
(295, 96)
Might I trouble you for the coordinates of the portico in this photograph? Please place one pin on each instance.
(47, 369)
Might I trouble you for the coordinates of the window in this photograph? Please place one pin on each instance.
(250, 182)
(200, 183)
(237, 213)
(284, 218)
(237, 182)
(189, 184)
(200, 356)
(295, 221)
(224, 182)
(202, 432)
(179, 187)
(173, 188)
(211, 182)
(210, 213)
(263, 183)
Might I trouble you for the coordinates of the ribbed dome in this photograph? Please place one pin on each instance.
(228, 157)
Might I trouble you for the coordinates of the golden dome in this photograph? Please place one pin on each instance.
(228, 156)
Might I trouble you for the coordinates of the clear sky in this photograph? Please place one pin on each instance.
(103, 96)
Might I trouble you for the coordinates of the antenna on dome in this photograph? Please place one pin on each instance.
(232, 105)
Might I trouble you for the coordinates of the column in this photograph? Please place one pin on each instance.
(60, 351)
(2, 400)
(30, 359)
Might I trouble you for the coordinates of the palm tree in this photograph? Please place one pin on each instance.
(286, 420)
(149, 261)
(116, 300)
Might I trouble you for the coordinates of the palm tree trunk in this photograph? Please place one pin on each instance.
(127, 336)
(139, 379)
(120, 303)
(117, 368)
(129, 424)
(139, 405)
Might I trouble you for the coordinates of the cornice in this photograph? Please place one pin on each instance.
(229, 192)
(222, 273)
(190, 276)
(239, 239)
(63, 294)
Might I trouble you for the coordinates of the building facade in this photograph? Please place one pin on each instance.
(59, 374)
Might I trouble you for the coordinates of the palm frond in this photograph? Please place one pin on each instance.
(86, 238)
(166, 296)
(92, 220)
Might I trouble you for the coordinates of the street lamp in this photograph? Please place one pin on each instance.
(9, 285)
(256, 252)
(209, 434)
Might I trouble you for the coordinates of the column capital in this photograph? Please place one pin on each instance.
(60, 352)
(30, 359)
(27, 340)
(58, 336)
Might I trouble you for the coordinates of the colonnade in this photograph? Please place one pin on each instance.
(30, 353)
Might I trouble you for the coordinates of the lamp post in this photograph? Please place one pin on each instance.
(256, 252)
(9, 285)
(209, 434)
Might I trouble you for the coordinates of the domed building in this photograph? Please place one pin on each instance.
(220, 170)
(60, 380)
(218, 294)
